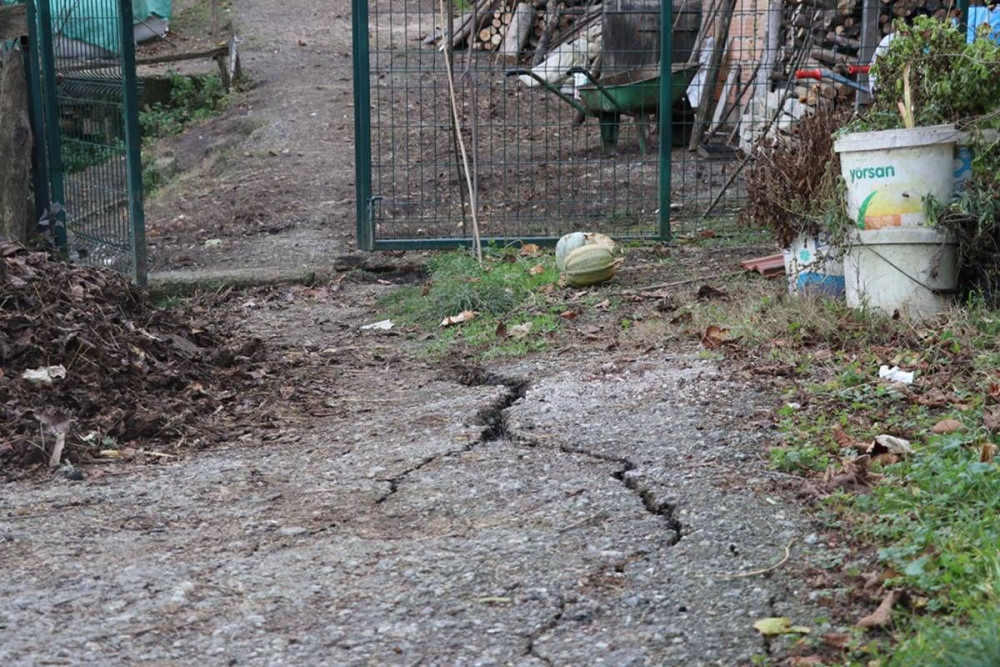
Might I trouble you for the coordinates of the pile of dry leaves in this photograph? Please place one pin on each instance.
(88, 367)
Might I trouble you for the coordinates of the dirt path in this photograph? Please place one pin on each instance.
(273, 177)
(587, 508)
(582, 509)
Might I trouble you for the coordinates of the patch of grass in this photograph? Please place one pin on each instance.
(505, 294)
(192, 99)
(933, 516)
(976, 644)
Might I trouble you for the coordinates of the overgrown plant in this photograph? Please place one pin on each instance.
(949, 79)
(192, 99)
(794, 186)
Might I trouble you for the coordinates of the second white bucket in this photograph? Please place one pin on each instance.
(890, 174)
(909, 271)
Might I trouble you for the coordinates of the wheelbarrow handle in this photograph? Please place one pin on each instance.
(595, 84)
(820, 74)
(522, 71)
(858, 69)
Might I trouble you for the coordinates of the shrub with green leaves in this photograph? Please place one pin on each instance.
(192, 99)
(951, 81)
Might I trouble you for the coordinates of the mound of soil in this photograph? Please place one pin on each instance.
(86, 358)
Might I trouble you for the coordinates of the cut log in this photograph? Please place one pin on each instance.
(521, 24)
(843, 42)
(15, 147)
(829, 56)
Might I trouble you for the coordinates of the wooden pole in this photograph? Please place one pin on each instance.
(721, 45)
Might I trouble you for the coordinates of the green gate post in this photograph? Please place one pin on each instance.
(362, 126)
(666, 113)
(51, 118)
(133, 142)
(39, 167)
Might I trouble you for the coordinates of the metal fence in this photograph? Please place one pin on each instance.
(81, 64)
(563, 116)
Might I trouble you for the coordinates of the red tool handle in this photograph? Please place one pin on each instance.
(809, 74)
(858, 69)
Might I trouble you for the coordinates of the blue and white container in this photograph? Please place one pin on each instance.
(813, 266)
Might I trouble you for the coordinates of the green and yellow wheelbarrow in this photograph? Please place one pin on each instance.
(634, 93)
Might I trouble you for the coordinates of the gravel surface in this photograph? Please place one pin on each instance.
(579, 509)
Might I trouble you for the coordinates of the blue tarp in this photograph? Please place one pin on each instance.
(979, 16)
(95, 22)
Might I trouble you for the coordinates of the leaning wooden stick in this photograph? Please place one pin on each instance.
(476, 244)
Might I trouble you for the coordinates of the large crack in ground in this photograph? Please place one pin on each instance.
(496, 428)
(493, 418)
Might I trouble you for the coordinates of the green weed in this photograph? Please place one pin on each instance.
(192, 99)
(511, 318)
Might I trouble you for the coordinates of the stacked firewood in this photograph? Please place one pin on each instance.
(526, 29)
(827, 33)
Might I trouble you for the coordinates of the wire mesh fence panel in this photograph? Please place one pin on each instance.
(555, 131)
(92, 134)
(562, 123)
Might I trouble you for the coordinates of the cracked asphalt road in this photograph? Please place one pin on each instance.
(582, 509)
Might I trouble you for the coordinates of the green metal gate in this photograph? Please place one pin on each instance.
(537, 172)
(85, 101)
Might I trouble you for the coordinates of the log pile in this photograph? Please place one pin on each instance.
(830, 31)
(818, 34)
(526, 29)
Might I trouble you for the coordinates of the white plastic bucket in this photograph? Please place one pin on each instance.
(813, 267)
(906, 270)
(889, 174)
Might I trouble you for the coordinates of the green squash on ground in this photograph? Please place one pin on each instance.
(589, 265)
(568, 244)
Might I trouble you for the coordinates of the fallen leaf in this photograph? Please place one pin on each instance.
(569, 314)
(986, 452)
(603, 304)
(993, 391)
(839, 640)
(804, 661)
(535, 270)
(44, 374)
(286, 392)
(707, 293)
(991, 418)
(854, 475)
(521, 330)
(843, 439)
(882, 616)
(464, 316)
(886, 459)
(946, 426)
(683, 318)
(935, 398)
(528, 250)
(714, 337)
(501, 330)
(381, 325)
(779, 625)
(891, 444)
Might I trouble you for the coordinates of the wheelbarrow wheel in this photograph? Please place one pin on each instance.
(610, 126)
